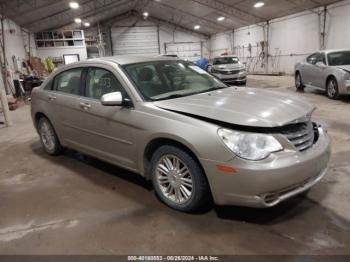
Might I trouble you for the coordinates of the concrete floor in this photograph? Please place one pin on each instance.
(72, 204)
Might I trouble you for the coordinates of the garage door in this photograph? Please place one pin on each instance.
(135, 40)
(191, 51)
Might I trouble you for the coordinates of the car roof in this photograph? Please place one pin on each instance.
(333, 50)
(132, 59)
(223, 56)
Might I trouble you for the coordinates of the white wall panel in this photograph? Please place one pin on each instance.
(338, 35)
(185, 50)
(13, 42)
(221, 43)
(291, 38)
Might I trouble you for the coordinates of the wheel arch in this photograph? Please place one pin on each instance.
(37, 117)
(155, 143)
(329, 77)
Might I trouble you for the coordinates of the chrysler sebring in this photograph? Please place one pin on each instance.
(196, 138)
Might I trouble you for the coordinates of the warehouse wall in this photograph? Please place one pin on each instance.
(167, 33)
(290, 38)
(16, 43)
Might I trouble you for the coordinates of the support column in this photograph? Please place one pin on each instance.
(3, 97)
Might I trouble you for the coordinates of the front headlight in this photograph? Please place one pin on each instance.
(251, 146)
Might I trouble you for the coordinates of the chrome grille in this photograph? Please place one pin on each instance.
(302, 135)
(233, 72)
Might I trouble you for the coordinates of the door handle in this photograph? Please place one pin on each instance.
(85, 106)
(52, 98)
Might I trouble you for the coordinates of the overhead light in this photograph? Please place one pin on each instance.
(77, 20)
(221, 18)
(145, 14)
(196, 27)
(86, 24)
(74, 5)
(259, 4)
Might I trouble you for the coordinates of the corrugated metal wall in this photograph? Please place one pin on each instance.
(142, 40)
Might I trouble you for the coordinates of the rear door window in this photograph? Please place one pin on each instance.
(321, 58)
(69, 81)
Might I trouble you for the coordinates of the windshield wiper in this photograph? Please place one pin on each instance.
(214, 88)
(172, 96)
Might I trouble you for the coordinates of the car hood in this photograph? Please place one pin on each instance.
(242, 106)
(345, 68)
(229, 67)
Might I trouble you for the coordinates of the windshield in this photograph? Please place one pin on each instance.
(339, 58)
(171, 79)
(225, 60)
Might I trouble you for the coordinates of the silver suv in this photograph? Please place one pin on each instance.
(173, 123)
(229, 70)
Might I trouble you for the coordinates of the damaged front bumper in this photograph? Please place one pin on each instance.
(268, 182)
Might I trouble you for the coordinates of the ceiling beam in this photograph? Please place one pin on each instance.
(231, 11)
(203, 21)
(98, 14)
(64, 12)
(110, 22)
(30, 10)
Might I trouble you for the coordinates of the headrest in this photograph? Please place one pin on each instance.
(146, 74)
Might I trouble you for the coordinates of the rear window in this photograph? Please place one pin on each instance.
(69, 81)
(225, 60)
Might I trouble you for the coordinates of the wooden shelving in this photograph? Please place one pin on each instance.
(67, 38)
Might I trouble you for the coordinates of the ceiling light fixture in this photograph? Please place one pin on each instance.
(77, 20)
(221, 18)
(145, 14)
(86, 24)
(196, 27)
(74, 5)
(259, 4)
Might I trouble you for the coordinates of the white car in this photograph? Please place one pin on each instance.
(229, 70)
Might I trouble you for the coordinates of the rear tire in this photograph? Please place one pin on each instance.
(299, 82)
(178, 179)
(48, 137)
(332, 88)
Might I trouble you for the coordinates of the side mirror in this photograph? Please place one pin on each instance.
(320, 64)
(112, 99)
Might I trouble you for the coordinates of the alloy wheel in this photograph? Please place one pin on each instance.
(298, 81)
(331, 90)
(174, 179)
(47, 136)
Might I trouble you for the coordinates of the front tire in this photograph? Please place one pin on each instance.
(48, 137)
(178, 179)
(332, 88)
(298, 82)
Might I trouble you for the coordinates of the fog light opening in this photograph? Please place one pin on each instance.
(271, 197)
